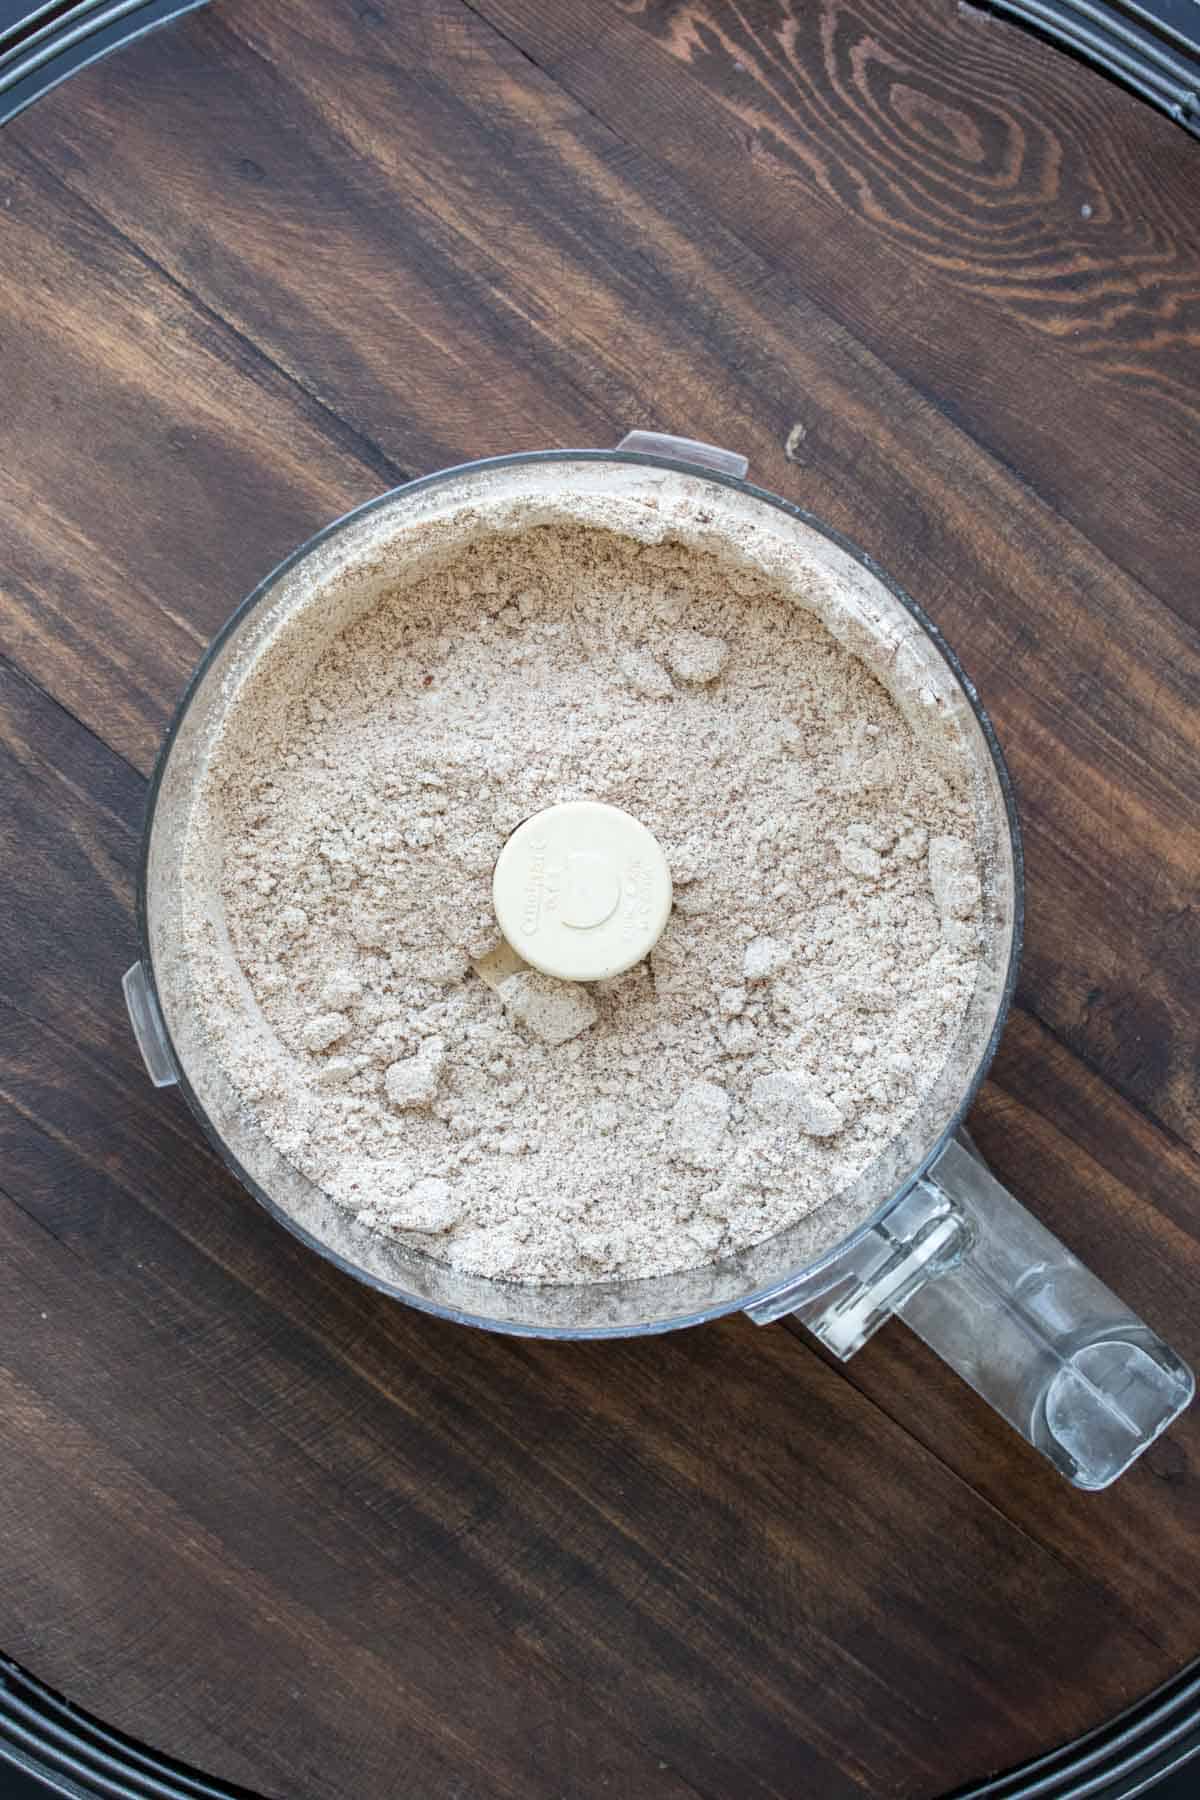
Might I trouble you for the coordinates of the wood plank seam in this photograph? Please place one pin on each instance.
(254, 50)
(18, 673)
(912, 1428)
(1023, 1003)
(38, 1223)
(341, 431)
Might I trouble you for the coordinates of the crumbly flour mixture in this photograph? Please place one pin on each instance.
(814, 972)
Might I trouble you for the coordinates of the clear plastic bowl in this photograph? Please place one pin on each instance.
(917, 1232)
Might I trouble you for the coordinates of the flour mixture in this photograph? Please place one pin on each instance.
(811, 979)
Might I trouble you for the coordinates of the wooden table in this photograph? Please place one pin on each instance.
(942, 285)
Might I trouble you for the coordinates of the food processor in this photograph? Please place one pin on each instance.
(941, 1243)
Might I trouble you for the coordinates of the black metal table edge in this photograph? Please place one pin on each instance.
(1139, 44)
(111, 32)
(1149, 46)
(73, 1754)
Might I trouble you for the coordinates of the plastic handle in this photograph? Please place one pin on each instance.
(686, 450)
(1008, 1306)
(148, 1027)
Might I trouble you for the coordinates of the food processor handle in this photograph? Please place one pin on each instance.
(148, 1027)
(660, 444)
(1008, 1306)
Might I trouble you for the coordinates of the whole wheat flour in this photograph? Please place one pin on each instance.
(816, 968)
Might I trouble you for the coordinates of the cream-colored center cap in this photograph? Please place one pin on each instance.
(582, 890)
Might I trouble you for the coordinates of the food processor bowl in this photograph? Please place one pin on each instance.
(940, 1241)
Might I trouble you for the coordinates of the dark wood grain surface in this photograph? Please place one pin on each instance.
(941, 285)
